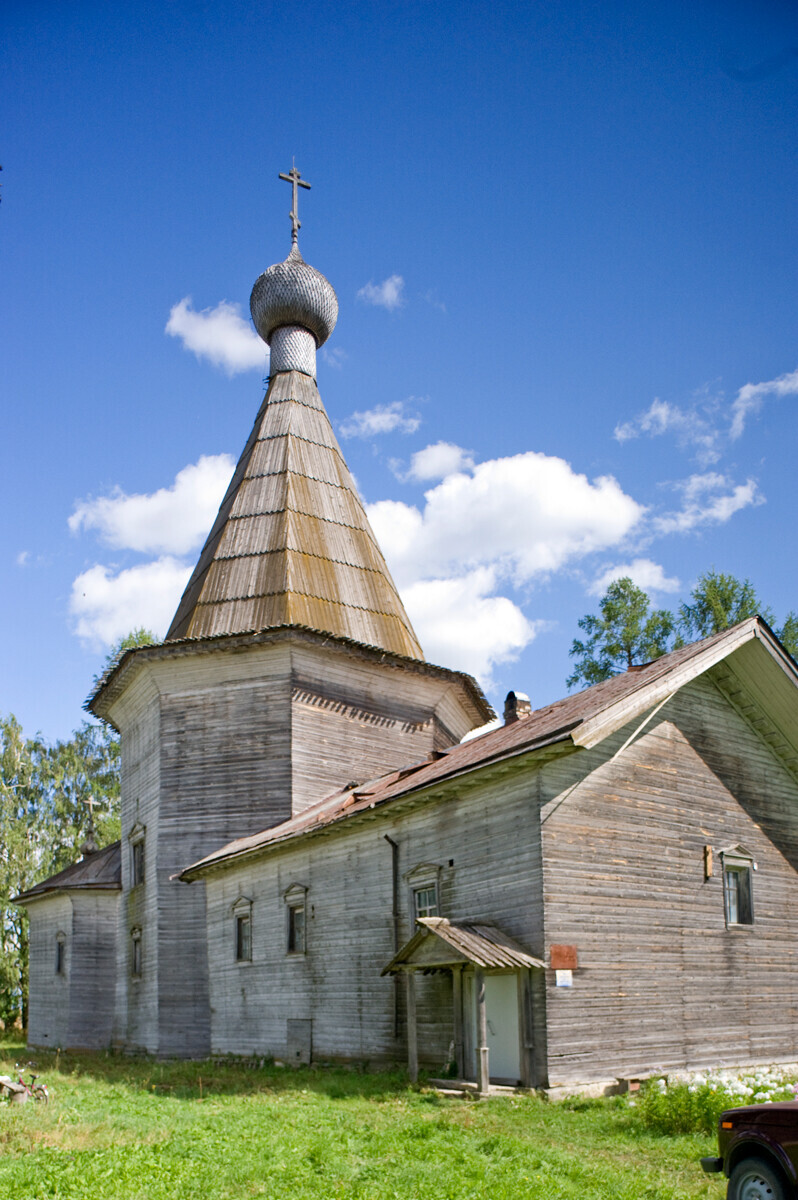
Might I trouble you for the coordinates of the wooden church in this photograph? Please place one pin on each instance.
(314, 866)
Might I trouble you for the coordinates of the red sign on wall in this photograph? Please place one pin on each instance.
(563, 958)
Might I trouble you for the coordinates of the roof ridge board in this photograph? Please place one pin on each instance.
(297, 437)
(341, 562)
(299, 512)
(343, 487)
(672, 676)
(309, 596)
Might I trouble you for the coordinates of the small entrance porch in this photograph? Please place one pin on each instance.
(495, 983)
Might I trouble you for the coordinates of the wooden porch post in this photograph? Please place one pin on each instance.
(483, 1076)
(412, 1031)
(457, 1005)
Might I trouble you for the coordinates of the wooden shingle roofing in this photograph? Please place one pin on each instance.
(101, 871)
(439, 943)
(292, 545)
(575, 722)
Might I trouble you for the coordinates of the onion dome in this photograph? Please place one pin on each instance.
(293, 293)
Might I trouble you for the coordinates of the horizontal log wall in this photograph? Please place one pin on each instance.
(92, 969)
(136, 1009)
(48, 1013)
(661, 982)
(227, 744)
(490, 835)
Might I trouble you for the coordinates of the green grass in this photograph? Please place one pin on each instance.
(127, 1129)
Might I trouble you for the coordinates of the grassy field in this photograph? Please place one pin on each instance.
(125, 1129)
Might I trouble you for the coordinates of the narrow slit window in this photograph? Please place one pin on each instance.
(737, 887)
(135, 954)
(296, 929)
(243, 937)
(137, 863)
(60, 954)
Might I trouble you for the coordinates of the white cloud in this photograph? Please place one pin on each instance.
(105, 605)
(749, 399)
(335, 357)
(527, 515)
(508, 521)
(438, 461)
(172, 520)
(385, 418)
(648, 575)
(23, 558)
(461, 625)
(219, 334)
(387, 294)
(693, 428)
(709, 499)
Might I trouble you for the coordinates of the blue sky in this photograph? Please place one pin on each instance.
(564, 242)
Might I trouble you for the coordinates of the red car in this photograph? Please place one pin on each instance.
(758, 1151)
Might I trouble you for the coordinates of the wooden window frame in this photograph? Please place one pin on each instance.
(296, 930)
(242, 930)
(136, 841)
(421, 880)
(136, 963)
(738, 898)
(60, 953)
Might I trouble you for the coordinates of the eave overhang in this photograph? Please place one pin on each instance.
(440, 945)
(119, 677)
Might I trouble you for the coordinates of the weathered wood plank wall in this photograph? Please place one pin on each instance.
(624, 882)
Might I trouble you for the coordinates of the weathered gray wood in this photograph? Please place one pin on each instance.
(457, 1007)
(412, 1026)
(483, 1054)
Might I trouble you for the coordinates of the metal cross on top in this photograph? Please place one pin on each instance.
(293, 177)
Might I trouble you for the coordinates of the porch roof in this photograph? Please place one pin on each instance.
(438, 943)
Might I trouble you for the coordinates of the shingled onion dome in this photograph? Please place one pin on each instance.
(294, 309)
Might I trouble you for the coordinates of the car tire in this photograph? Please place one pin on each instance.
(753, 1179)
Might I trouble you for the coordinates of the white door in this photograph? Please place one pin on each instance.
(501, 1003)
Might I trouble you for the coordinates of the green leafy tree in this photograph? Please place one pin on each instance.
(788, 634)
(718, 601)
(21, 858)
(136, 637)
(626, 632)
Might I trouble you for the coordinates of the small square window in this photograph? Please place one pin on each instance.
(243, 937)
(737, 890)
(296, 929)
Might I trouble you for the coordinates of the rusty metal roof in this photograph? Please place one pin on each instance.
(555, 728)
(101, 871)
(438, 943)
(291, 544)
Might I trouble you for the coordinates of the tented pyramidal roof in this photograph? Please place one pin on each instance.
(291, 544)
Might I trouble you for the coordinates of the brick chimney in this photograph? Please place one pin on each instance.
(516, 707)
